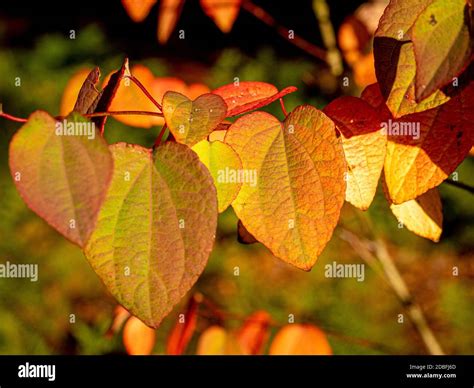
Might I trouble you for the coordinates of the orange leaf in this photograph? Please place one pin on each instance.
(300, 340)
(167, 18)
(138, 10)
(184, 328)
(217, 341)
(223, 12)
(254, 332)
(138, 338)
(248, 95)
(292, 199)
(364, 147)
(424, 148)
(423, 215)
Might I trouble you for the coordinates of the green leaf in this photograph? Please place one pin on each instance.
(61, 177)
(191, 121)
(299, 166)
(225, 167)
(156, 228)
(442, 45)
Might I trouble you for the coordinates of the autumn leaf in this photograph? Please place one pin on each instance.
(61, 177)
(225, 167)
(88, 95)
(130, 97)
(297, 339)
(168, 16)
(423, 215)
(222, 12)
(184, 327)
(165, 202)
(364, 147)
(246, 96)
(71, 91)
(243, 235)
(120, 317)
(439, 140)
(254, 333)
(192, 121)
(440, 31)
(138, 10)
(401, 100)
(437, 30)
(138, 338)
(293, 202)
(215, 340)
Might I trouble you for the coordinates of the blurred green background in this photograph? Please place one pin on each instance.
(358, 317)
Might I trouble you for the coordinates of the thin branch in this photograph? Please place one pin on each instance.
(282, 104)
(460, 185)
(13, 118)
(333, 56)
(124, 112)
(160, 136)
(296, 40)
(377, 249)
(144, 90)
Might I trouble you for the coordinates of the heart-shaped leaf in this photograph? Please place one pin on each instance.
(225, 167)
(300, 167)
(62, 171)
(191, 121)
(156, 228)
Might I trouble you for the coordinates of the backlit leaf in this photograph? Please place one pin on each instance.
(225, 167)
(184, 328)
(215, 340)
(254, 332)
(192, 121)
(249, 95)
(168, 16)
(71, 91)
(297, 339)
(243, 235)
(423, 215)
(88, 95)
(299, 167)
(61, 177)
(424, 148)
(442, 45)
(155, 229)
(223, 12)
(138, 10)
(130, 97)
(364, 147)
(138, 338)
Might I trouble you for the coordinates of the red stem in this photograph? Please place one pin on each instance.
(282, 104)
(13, 118)
(143, 89)
(160, 136)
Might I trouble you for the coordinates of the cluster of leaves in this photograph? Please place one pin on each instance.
(222, 12)
(251, 338)
(146, 217)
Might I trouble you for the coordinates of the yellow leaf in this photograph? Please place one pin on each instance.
(296, 339)
(216, 341)
(423, 215)
(225, 167)
(292, 202)
(138, 338)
